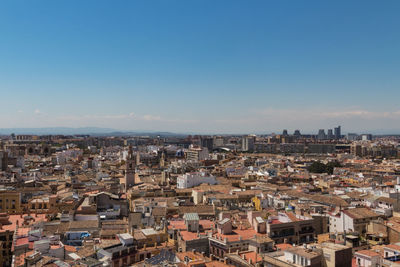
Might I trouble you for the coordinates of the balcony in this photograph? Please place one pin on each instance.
(282, 233)
(306, 231)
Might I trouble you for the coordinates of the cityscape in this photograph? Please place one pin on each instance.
(230, 200)
(207, 133)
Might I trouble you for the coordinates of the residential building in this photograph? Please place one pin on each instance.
(291, 228)
(190, 180)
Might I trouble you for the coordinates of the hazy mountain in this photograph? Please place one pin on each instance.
(80, 131)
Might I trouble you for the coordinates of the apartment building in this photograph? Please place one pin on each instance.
(290, 228)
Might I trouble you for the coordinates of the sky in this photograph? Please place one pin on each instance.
(209, 66)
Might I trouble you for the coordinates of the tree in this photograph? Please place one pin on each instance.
(319, 167)
(330, 166)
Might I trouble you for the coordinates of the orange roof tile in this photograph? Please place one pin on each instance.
(369, 253)
(69, 248)
(216, 264)
(283, 246)
(252, 255)
(236, 234)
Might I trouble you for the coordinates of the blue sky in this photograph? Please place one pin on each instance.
(201, 66)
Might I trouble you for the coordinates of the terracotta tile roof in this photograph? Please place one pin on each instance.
(283, 246)
(188, 236)
(393, 247)
(70, 248)
(22, 241)
(216, 264)
(251, 255)
(369, 253)
(387, 200)
(180, 224)
(360, 213)
(236, 234)
(200, 209)
(191, 255)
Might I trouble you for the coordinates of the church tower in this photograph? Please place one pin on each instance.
(130, 169)
(162, 161)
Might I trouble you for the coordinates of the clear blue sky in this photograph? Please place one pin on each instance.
(201, 66)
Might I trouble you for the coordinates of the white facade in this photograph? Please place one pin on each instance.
(296, 259)
(363, 260)
(335, 224)
(390, 252)
(190, 180)
(351, 220)
(340, 224)
(197, 197)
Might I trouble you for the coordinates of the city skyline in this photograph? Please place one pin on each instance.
(205, 67)
(333, 133)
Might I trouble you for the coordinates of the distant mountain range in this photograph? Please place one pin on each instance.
(96, 131)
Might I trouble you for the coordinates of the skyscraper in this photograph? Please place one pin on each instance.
(321, 134)
(338, 133)
(330, 134)
(248, 143)
(207, 142)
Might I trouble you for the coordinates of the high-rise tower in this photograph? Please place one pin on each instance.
(321, 134)
(338, 132)
(330, 134)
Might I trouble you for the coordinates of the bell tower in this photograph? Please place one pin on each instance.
(130, 169)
